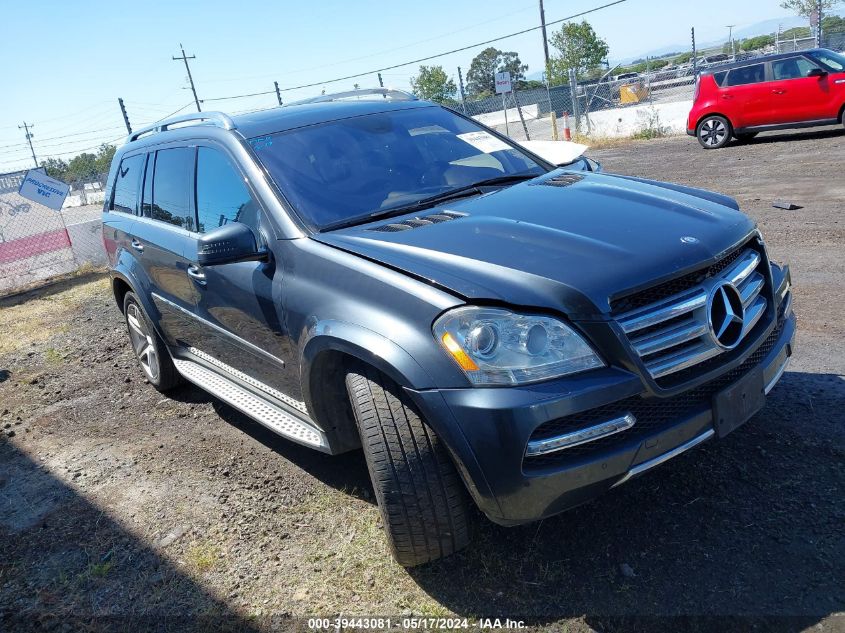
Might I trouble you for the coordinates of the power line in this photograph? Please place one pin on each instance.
(423, 59)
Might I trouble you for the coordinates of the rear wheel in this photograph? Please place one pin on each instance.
(746, 136)
(713, 132)
(149, 349)
(421, 497)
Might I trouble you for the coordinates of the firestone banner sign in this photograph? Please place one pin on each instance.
(39, 187)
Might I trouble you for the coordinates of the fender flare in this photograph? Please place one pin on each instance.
(366, 345)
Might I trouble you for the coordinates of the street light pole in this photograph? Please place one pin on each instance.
(731, 38)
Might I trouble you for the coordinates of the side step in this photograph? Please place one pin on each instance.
(269, 415)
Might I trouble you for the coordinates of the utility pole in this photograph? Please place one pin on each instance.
(380, 81)
(125, 117)
(730, 28)
(545, 36)
(278, 92)
(819, 9)
(461, 85)
(185, 59)
(26, 127)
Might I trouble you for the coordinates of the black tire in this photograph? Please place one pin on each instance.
(150, 350)
(421, 497)
(713, 132)
(745, 137)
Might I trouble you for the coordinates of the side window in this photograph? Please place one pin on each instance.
(720, 77)
(792, 68)
(747, 75)
(222, 196)
(126, 184)
(172, 187)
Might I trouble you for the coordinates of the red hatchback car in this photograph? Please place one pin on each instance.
(789, 90)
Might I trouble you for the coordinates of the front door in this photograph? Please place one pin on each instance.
(240, 303)
(795, 96)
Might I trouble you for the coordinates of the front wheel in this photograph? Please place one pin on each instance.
(421, 497)
(713, 132)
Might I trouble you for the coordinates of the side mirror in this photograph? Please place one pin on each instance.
(817, 72)
(230, 243)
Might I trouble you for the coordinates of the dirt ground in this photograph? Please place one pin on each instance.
(124, 509)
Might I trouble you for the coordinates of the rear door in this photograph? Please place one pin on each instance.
(240, 303)
(745, 97)
(796, 97)
(164, 237)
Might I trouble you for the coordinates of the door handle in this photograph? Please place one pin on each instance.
(195, 273)
(137, 245)
(727, 96)
(779, 92)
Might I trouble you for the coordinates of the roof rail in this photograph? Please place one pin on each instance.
(387, 93)
(217, 119)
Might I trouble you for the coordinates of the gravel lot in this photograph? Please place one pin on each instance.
(123, 509)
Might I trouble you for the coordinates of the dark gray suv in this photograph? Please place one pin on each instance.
(388, 274)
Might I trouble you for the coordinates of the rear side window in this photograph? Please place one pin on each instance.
(172, 186)
(747, 75)
(127, 184)
(720, 77)
(791, 68)
(222, 195)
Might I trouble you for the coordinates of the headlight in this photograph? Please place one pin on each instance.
(498, 347)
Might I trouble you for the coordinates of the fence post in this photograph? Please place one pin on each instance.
(573, 89)
(461, 84)
(554, 125)
(521, 118)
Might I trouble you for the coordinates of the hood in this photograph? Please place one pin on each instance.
(563, 241)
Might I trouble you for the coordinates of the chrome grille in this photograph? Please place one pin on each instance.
(674, 333)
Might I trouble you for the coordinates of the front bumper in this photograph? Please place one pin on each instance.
(489, 430)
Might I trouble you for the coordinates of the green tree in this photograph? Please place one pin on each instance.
(85, 166)
(481, 81)
(806, 7)
(432, 83)
(758, 42)
(579, 48)
(104, 157)
(56, 168)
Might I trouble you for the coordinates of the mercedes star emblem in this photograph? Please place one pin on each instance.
(725, 315)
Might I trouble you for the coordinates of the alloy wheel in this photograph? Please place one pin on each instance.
(142, 341)
(712, 132)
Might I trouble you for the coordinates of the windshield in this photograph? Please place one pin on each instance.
(336, 171)
(834, 62)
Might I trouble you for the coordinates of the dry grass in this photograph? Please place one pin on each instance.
(202, 556)
(44, 314)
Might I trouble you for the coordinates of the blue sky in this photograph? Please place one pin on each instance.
(66, 63)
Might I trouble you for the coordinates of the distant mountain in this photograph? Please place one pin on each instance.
(758, 28)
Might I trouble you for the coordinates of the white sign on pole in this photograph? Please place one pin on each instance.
(39, 187)
(503, 82)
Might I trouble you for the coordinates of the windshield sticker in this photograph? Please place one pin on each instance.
(262, 142)
(484, 141)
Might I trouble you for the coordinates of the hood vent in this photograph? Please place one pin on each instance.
(413, 223)
(561, 180)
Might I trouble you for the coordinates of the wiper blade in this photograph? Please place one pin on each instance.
(462, 192)
(452, 194)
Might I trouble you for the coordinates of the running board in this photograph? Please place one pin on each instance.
(257, 408)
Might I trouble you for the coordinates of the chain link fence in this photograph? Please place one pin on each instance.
(653, 102)
(38, 243)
